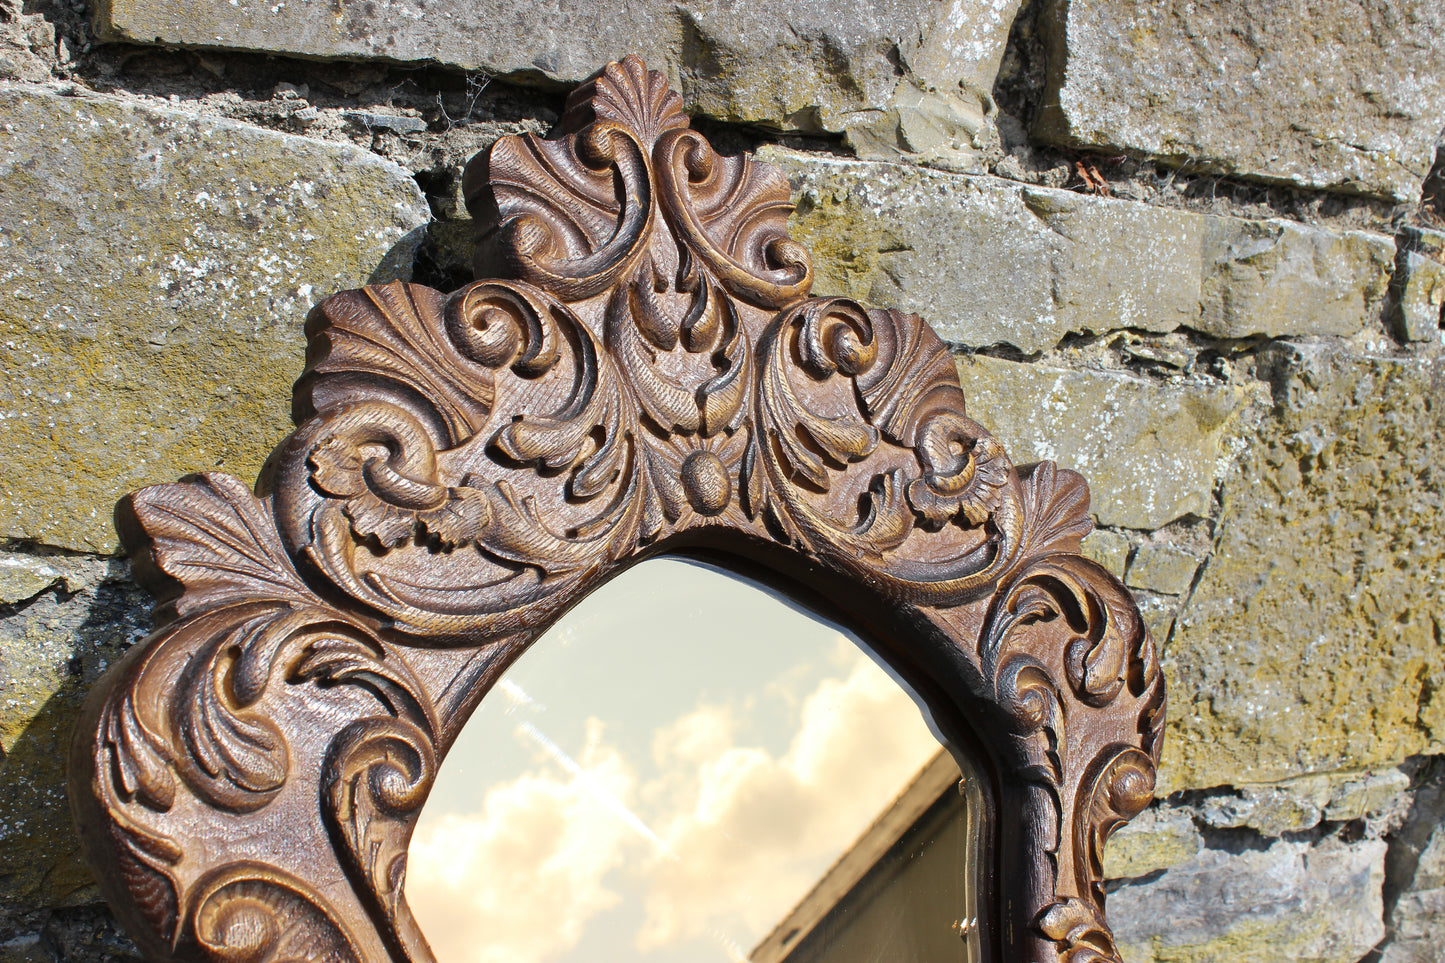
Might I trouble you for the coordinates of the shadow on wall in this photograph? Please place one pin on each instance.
(53, 647)
(64, 619)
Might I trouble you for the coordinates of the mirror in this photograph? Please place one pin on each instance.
(650, 371)
(764, 789)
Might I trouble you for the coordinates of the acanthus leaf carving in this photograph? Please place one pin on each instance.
(212, 540)
(731, 213)
(648, 370)
(376, 778)
(1078, 927)
(1103, 667)
(254, 914)
(376, 343)
(816, 340)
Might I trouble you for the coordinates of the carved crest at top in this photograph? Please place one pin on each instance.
(643, 369)
(650, 362)
(626, 198)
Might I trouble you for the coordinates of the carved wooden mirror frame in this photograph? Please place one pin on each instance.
(647, 375)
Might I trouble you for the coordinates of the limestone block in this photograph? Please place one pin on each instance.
(947, 130)
(798, 64)
(1162, 568)
(1365, 793)
(963, 252)
(1420, 284)
(1311, 641)
(1109, 549)
(1416, 927)
(1423, 240)
(1158, 612)
(1302, 803)
(1292, 901)
(24, 576)
(1158, 838)
(1120, 264)
(1148, 450)
(51, 653)
(1416, 871)
(27, 45)
(1422, 297)
(1346, 97)
(1278, 278)
(155, 271)
(989, 261)
(941, 113)
(1415, 922)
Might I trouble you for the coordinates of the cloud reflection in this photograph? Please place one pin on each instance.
(735, 835)
(755, 832)
(519, 880)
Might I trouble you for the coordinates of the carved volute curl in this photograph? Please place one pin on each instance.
(643, 371)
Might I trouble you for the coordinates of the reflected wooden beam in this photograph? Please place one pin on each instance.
(934, 796)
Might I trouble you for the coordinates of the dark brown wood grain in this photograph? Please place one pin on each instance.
(643, 372)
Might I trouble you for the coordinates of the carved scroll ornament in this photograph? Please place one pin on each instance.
(645, 374)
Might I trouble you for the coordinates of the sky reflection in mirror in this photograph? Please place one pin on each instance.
(661, 778)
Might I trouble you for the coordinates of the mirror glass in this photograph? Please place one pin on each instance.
(689, 767)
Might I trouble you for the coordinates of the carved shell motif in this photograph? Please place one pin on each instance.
(645, 362)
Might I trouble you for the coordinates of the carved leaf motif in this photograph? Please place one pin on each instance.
(389, 389)
(1109, 647)
(130, 780)
(671, 403)
(731, 214)
(627, 92)
(1055, 503)
(377, 344)
(1107, 658)
(829, 336)
(563, 223)
(384, 463)
(1079, 929)
(723, 397)
(231, 756)
(147, 861)
(142, 764)
(1123, 788)
(1026, 691)
(338, 654)
(913, 376)
(207, 681)
(377, 775)
(625, 198)
(517, 325)
(886, 521)
(215, 538)
(223, 742)
(505, 325)
(256, 914)
(563, 438)
(965, 470)
(813, 351)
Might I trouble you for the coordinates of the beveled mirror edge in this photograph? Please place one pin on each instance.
(649, 377)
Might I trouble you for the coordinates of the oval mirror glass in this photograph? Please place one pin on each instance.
(689, 767)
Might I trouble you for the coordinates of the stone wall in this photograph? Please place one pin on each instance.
(1191, 249)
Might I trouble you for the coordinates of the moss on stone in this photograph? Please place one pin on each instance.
(1312, 641)
(51, 653)
(155, 271)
